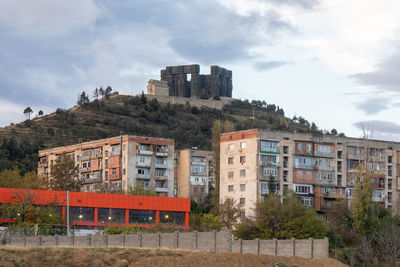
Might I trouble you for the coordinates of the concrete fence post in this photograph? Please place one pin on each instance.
(195, 237)
(293, 246)
(40, 240)
(177, 239)
(240, 245)
(140, 240)
(215, 241)
(230, 237)
(106, 239)
(57, 242)
(258, 246)
(89, 237)
(275, 241)
(311, 244)
(24, 241)
(124, 240)
(73, 240)
(326, 244)
(159, 239)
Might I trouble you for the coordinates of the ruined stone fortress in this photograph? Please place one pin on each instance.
(174, 82)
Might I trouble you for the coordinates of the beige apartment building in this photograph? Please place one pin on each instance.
(194, 173)
(119, 163)
(318, 168)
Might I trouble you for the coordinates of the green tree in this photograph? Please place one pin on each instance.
(27, 214)
(229, 213)
(283, 220)
(205, 222)
(363, 205)
(271, 185)
(334, 132)
(27, 112)
(40, 113)
(140, 190)
(96, 94)
(65, 174)
(83, 99)
(13, 179)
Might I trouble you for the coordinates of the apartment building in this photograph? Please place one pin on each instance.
(194, 173)
(318, 168)
(119, 163)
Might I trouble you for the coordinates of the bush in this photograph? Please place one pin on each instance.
(117, 230)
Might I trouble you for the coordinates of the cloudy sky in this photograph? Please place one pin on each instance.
(334, 62)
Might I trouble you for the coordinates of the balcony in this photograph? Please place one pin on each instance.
(143, 164)
(162, 189)
(42, 164)
(324, 154)
(161, 166)
(265, 163)
(85, 157)
(87, 169)
(270, 149)
(377, 159)
(355, 156)
(92, 180)
(304, 165)
(96, 156)
(145, 152)
(143, 176)
(199, 163)
(323, 168)
(161, 178)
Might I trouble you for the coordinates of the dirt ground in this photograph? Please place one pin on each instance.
(93, 257)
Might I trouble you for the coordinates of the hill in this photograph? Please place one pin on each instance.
(145, 257)
(189, 126)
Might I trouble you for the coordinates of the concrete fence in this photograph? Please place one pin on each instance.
(205, 241)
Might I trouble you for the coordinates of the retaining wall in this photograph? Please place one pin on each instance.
(206, 241)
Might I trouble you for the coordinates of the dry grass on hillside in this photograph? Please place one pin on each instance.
(146, 257)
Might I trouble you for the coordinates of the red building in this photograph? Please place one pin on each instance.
(93, 210)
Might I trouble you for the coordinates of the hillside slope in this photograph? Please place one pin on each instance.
(188, 126)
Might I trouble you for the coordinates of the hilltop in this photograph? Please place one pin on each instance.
(189, 126)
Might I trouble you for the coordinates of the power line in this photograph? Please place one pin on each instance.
(183, 32)
(84, 17)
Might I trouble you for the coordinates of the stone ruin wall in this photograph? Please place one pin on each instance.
(217, 83)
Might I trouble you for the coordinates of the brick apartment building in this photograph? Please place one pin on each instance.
(118, 163)
(318, 168)
(194, 173)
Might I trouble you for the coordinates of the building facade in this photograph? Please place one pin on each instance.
(119, 163)
(318, 168)
(93, 210)
(194, 173)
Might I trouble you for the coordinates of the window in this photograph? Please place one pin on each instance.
(111, 160)
(230, 160)
(81, 214)
(307, 201)
(302, 189)
(299, 146)
(195, 189)
(242, 173)
(269, 146)
(300, 174)
(308, 148)
(202, 189)
(111, 215)
(242, 201)
(114, 171)
(199, 169)
(243, 187)
(172, 217)
(320, 176)
(230, 174)
(242, 145)
(230, 188)
(269, 159)
(106, 175)
(308, 175)
(270, 171)
(143, 171)
(231, 147)
(242, 159)
(199, 159)
(142, 159)
(160, 160)
(124, 171)
(142, 216)
(285, 149)
(390, 158)
(325, 149)
(144, 147)
(160, 172)
(124, 147)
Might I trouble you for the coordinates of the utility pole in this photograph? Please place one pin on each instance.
(68, 230)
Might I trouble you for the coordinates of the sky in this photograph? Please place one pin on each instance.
(333, 62)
